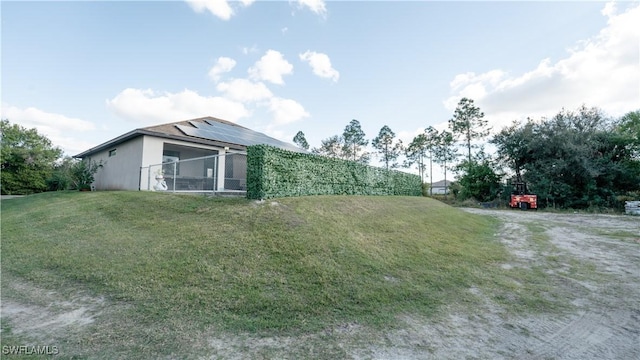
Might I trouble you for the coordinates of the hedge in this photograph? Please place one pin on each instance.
(274, 172)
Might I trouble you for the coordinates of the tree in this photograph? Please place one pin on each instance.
(629, 127)
(415, 153)
(354, 142)
(513, 145)
(444, 151)
(301, 140)
(388, 148)
(480, 181)
(27, 159)
(576, 159)
(421, 148)
(468, 123)
(332, 147)
(432, 141)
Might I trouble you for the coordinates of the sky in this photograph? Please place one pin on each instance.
(84, 72)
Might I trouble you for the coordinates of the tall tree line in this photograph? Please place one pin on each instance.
(576, 159)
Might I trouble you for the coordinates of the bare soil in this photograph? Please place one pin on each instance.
(604, 320)
(594, 258)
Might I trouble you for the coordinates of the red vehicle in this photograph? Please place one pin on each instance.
(521, 198)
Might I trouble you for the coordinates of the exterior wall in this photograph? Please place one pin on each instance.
(235, 171)
(128, 168)
(438, 190)
(152, 151)
(121, 171)
(153, 155)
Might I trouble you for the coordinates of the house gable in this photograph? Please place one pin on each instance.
(202, 131)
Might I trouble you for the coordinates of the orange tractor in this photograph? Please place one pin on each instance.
(520, 197)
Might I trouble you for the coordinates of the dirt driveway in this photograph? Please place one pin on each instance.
(604, 322)
(591, 261)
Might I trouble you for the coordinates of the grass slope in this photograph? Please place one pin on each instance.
(288, 265)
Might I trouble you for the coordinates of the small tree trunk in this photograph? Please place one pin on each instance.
(446, 196)
(430, 173)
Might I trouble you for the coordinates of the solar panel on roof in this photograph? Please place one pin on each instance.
(198, 125)
(233, 135)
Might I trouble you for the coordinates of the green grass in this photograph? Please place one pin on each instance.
(302, 265)
(174, 267)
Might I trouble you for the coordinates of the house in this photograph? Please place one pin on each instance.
(441, 187)
(203, 154)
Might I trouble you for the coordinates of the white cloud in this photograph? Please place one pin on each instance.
(286, 111)
(609, 9)
(148, 107)
(249, 50)
(55, 127)
(223, 9)
(601, 71)
(271, 67)
(219, 8)
(244, 90)
(317, 6)
(223, 65)
(320, 64)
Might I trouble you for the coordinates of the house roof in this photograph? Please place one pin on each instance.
(188, 130)
(441, 183)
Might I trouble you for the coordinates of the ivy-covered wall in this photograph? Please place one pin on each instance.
(273, 172)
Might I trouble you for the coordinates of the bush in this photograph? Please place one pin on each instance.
(479, 182)
(72, 174)
(83, 173)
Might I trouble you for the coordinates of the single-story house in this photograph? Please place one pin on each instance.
(203, 154)
(441, 187)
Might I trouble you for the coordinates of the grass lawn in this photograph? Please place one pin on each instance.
(285, 266)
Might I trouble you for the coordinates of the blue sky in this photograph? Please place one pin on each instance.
(85, 72)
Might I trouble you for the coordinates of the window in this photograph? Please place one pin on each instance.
(170, 163)
(112, 152)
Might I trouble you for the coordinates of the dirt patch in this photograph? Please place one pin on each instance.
(44, 316)
(604, 322)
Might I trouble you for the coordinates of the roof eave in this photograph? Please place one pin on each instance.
(115, 141)
(139, 132)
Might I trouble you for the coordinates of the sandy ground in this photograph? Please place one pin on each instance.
(603, 320)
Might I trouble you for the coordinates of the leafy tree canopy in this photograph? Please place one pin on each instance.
(301, 140)
(479, 181)
(421, 148)
(27, 159)
(576, 159)
(354, 142)
(331, 147)
(468, 124)
(388, 147)
(444, 150)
